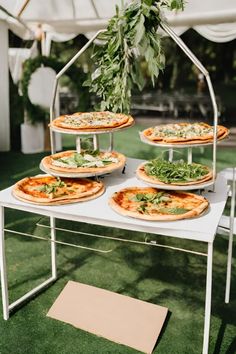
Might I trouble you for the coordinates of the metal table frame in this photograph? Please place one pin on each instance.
(58, 212)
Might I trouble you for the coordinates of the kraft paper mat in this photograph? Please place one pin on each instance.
(116, 317)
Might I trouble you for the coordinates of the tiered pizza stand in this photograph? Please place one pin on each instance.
(189, 146)
(201, 68)
(79, 135)
(171, 148)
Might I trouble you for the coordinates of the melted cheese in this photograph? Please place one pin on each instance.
(183, 131)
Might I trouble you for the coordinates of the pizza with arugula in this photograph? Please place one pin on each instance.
(84, 162)
(156, 205)
(49, 190)
(180, 133)
(92, 121)
(177, 173)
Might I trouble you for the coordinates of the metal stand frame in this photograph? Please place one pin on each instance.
(189, 54)
(52, 107)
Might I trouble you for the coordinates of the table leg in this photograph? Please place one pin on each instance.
(5, 300)
(230, 244)
(53, 247)
(208, 299)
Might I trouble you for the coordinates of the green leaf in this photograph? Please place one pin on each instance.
(140, 30)
(142, 208)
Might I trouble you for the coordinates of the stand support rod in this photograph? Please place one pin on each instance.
(203, 70)
(61, 72)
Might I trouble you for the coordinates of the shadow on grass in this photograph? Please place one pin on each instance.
(168, 316)
(232, 347)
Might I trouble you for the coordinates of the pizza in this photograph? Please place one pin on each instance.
(92, 121)
(179, 173)
(85, 162)
(157, 205)
(181, 133)
(49, 190)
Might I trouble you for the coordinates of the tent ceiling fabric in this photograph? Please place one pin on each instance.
(214, 19)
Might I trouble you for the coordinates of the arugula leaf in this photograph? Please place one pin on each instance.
(178, 171)
(149, 198)
(142, 208)
(86, 158)
(154, 198)
(49, 188)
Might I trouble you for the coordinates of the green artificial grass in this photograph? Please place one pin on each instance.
(157, 275)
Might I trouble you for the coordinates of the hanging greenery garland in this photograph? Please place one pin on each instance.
(36, 113)
(131, 36)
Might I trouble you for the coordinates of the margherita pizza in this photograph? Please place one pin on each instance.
(152, 204)
(48, 190)
(179, 173)
(92, 121)
(84, 162)
(181, 133)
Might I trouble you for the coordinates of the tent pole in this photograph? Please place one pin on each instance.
(4, 89)
(18, 19)
(203, 70)
(23, 8)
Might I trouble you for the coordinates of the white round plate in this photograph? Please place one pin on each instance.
(92, 132)
(176, 145)
(76, 175)
(172, 187)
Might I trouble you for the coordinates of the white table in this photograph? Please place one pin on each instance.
(98, 212)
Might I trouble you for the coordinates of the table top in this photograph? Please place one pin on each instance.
(98, 212)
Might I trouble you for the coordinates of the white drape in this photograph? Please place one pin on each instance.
(223, 32)
(16, 58)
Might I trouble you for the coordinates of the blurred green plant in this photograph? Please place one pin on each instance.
(76, 75)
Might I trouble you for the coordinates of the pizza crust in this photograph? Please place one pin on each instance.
(140, 172)
(90, 189)
(48, 165)
(195, 212)
(65, 201)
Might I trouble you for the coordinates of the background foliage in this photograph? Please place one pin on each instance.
(37, 113)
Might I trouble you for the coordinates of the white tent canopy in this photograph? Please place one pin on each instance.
(63, 19)
(214, 19)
